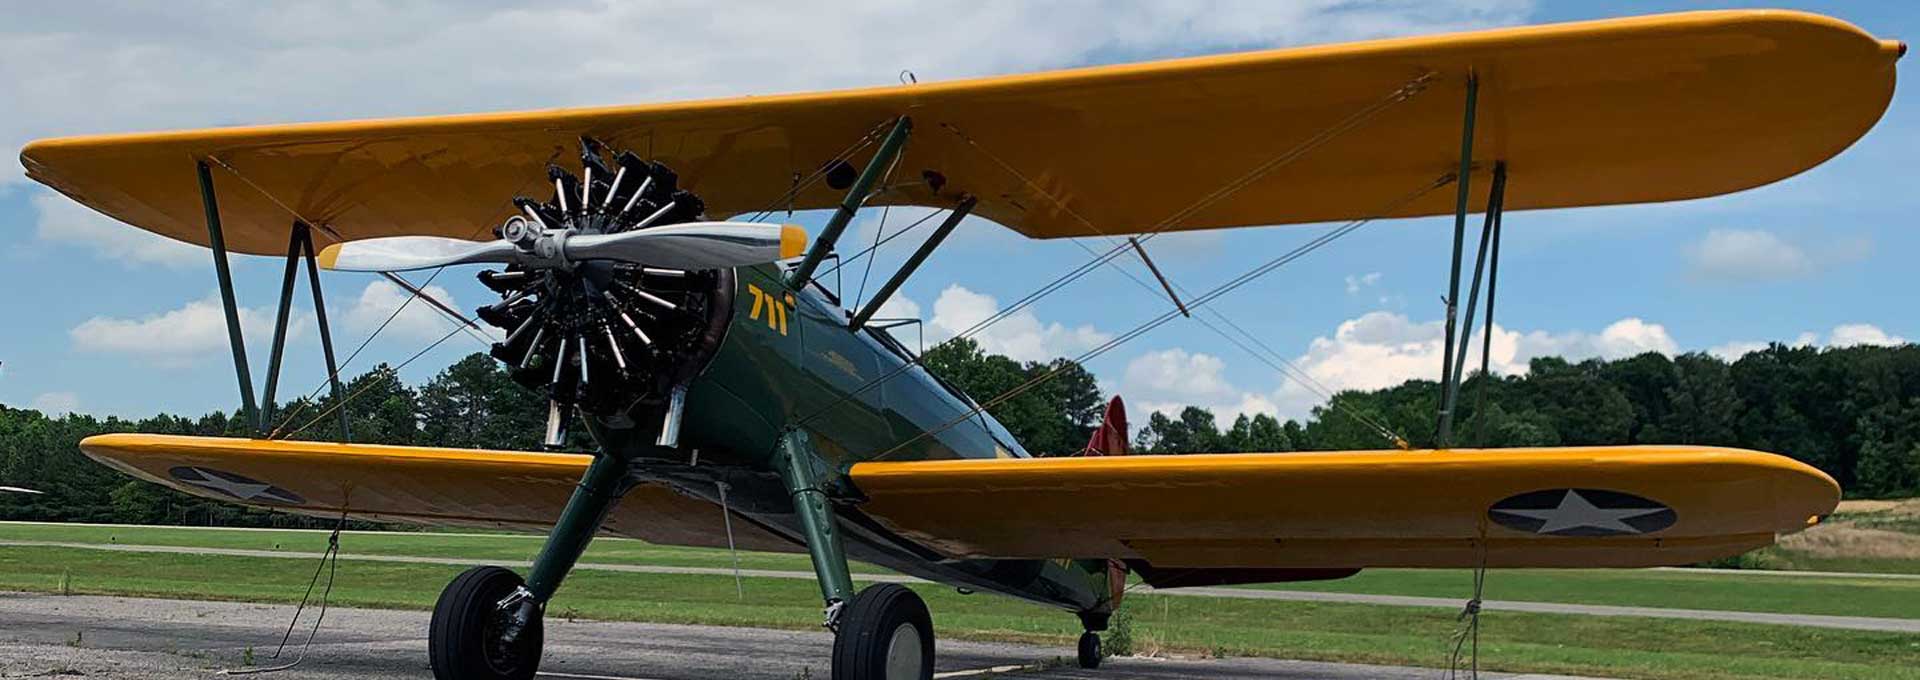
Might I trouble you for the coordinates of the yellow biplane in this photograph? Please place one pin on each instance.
(733, 399)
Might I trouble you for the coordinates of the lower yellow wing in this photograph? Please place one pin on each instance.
(1541, 507)
(414, 485)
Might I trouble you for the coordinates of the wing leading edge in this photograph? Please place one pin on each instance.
(1616, 111)
(1543, 507)
(413, 485)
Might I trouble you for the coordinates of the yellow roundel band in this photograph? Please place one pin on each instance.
(793, 241)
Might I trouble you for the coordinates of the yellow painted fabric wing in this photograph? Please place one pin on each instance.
(1604, 112)
(414, 485)
(1357, 509)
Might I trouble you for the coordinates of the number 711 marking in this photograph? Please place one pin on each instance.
(776, 310)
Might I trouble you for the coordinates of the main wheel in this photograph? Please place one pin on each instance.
(1089, 650)
(466, 641)
(885, 634)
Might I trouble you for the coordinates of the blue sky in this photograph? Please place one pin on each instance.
(101, 319)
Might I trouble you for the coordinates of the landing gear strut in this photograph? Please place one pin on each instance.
(487, 625)
(881, 633)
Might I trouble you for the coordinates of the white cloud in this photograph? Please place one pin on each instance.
(1843, 335)
(1373, 351)
(1179, 378)
(1744, 255)
(898, 307)
(56, 404)
(181, 336)
(1852, 334)
(1367, 280)
(68, 223)
(1734, 350)
(1020, 335)
(418, 320)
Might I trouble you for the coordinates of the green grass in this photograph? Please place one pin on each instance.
(1724, 591)
(502, 547)
(1731, 591)
(1612, 646)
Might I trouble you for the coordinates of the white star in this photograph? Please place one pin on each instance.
(242, 490)
(1575, 512)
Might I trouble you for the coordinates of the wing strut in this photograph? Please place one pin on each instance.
(1453, 361)
(217, 242)
(913, 262)
(299, 247)
(1461, 194)
(856, 195)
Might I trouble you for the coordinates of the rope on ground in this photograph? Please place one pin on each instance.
(330, 563)
(1466, 634)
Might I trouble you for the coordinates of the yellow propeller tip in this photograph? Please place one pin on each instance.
(793, 241)
(328, 256)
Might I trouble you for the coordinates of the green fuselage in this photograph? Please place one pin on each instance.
(790, 361)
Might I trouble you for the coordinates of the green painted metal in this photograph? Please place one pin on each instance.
(326, 333)
(798, 468)
(1444, 436)
(604, 482)
(280, 326)
(913, 262)
(217, 242)
(1496, 204)
(1486, 340)
(856, 195)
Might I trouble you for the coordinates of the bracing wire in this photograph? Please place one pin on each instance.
(1201, 301)
(889, 239)
(1400, 94)
(806, 182)
(879, 231)
(460, 323)
(371, 385)
(1283, 366)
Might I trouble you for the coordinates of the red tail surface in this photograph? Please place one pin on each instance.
(1111, 438)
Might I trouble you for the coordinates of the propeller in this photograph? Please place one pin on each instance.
(615, 291)
(689, 245)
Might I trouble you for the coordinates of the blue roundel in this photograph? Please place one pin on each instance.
(1581, 512)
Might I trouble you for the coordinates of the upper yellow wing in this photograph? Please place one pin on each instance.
(1628, 506)
(1602, 112)
(410, 484)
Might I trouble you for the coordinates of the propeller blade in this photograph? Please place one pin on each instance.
(694, 245)
(406, 253)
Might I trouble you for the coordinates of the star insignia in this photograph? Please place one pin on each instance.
(1576, 515)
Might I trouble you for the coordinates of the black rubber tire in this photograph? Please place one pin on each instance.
(458, 644)
(867, 627)
(1089, 650)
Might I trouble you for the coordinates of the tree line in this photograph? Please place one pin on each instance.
(1852, 412)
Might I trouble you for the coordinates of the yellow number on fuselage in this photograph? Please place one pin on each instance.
(776, 309)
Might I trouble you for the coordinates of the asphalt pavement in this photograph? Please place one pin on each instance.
(51, 636)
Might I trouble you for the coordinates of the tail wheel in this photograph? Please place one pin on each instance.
(1089, 650)
(885, 634)
(466, 641)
